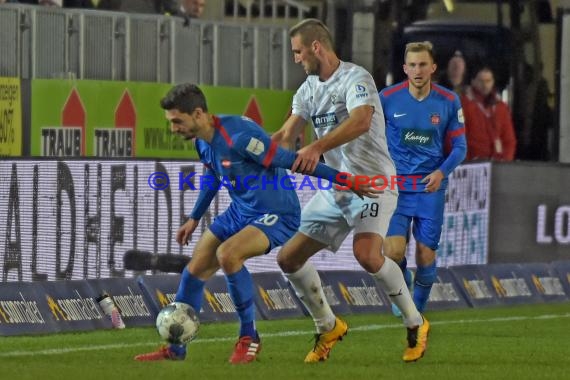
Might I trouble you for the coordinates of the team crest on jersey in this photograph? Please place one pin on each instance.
(255, 146)
(333, 98)
(361, 90)
(226, 163)
(435, 119)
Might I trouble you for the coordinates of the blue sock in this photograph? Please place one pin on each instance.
(240, 287)
(190, 291)
(425, 277)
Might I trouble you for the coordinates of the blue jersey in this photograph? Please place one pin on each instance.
(417, 131)
(241, 158)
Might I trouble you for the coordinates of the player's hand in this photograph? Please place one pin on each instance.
(433, 181)
(307, 159)
(368, 190)
(184, 233)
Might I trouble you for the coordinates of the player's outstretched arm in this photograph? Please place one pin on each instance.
(356, 124)
(289, 132)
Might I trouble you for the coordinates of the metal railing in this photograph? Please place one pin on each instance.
(44, 42)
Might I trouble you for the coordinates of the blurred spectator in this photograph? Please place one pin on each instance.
(455, 75)
(185, 8)
(51, 3)
(488, 121)
(80, 3)
(132, 6)
(192, 8)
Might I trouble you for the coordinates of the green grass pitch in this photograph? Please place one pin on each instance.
(522, 342)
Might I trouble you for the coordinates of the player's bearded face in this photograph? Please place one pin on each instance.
(419, 67)
(182, 124)
(305, 56)
(311, 64)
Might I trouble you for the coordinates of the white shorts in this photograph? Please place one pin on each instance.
(330, 216)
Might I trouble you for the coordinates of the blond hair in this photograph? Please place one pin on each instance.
(311, 30)
(416, 47)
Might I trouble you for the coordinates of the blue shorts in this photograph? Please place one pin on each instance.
(425, 210)
(277, 227)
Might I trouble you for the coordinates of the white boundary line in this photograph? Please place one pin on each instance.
(61, 351)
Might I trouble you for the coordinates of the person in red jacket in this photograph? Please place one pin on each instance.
(488, 122)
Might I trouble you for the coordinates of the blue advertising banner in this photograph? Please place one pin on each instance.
(23, 310)
(475, 285)
(358, 289)
(336, 300)
(562, 267)
(73, 306)
(545, 281)
(274, 297)
(217, 301)
(511, 284)
(128, 298)
(160, 290)
(446, 292)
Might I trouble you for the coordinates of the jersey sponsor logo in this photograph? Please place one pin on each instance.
(361, 91)
(397, 115)
(255, 146)
(325, 120)
(460, 116)
(435, 118)
(417, 136)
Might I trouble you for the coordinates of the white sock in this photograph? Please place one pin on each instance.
(307, 285)
(391, 280)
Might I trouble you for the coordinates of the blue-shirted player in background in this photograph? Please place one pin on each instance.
(264, 212)
(420, 118)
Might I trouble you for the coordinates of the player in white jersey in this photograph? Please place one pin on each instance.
(340, 99)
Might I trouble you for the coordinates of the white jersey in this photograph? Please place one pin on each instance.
(329, 103)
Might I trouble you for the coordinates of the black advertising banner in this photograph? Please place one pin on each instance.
(530, 212)
(274, 298)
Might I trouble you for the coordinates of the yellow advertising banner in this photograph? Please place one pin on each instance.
(10, 117)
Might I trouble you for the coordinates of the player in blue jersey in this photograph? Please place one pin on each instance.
(264, 212)
(420, 118)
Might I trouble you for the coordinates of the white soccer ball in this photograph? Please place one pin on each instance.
(177, 323)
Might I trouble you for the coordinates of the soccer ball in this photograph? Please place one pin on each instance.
(177, 323)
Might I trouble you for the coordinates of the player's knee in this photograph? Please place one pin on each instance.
(228, 261)
(369, 261)
(286, 262)
(424, 254)
(393, 250)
